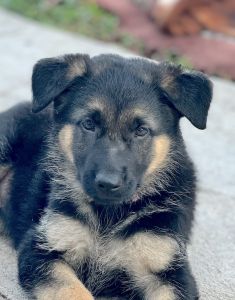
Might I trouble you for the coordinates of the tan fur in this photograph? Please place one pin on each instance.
(143, 253)
(76, 68)
(153, 253)
(167, 81)
(103, 106)
(96, 104)
(66, 141)
(3, 171)
(163, 292)
(154, 289)
(138, 112)
(64, 286)
(161, 149)
(67, 235)
(141, 256)
(6, 175)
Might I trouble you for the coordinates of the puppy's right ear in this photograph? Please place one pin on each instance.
(51, 76)
(189, 92)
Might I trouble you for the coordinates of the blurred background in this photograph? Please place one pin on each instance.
(198, 34)
(195, 33)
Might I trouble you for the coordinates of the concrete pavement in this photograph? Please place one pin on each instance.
(212, 253)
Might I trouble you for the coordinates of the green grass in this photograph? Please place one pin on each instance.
(84, 17)
(80, 16)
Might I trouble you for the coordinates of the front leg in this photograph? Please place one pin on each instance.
(63, 284)
(176, 283)
(158, 268)
(45, 277)
(44, 267)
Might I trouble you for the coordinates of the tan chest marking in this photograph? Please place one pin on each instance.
(67, 235)
(141, 254)
(64, 286)
(149, 253)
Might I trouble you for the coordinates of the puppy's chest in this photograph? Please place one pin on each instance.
(80, 244)
(99, 252)
(138, 255)
(98, 255)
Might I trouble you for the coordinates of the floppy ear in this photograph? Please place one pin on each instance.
(51, 76)
(190, 92)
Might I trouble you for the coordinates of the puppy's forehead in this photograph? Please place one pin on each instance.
(125, 113)
(121, 88)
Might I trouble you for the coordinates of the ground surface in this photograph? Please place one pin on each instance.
(212, 253)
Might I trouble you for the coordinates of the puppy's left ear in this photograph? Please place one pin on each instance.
(52, 76)
(189, 92)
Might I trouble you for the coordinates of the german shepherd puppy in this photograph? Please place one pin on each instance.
(97, 191)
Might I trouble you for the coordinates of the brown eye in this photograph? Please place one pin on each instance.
(89, 125)
(141, 131)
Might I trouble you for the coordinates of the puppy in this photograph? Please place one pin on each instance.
(97, 191)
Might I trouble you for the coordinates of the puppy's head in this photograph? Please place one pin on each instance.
(118, 118)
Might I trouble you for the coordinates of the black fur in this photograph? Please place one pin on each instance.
(110, 158)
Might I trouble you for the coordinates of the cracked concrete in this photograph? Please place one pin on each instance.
(212, 251)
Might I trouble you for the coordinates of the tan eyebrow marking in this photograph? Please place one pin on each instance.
(96, 104)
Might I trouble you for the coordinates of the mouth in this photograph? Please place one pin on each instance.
(117, 201)
(111, 201)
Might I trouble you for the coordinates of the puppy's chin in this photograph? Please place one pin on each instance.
(127, 197)
(114, 202)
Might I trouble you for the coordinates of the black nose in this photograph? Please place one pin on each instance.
(108, 182)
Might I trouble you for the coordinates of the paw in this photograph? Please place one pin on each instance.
(73, 292)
